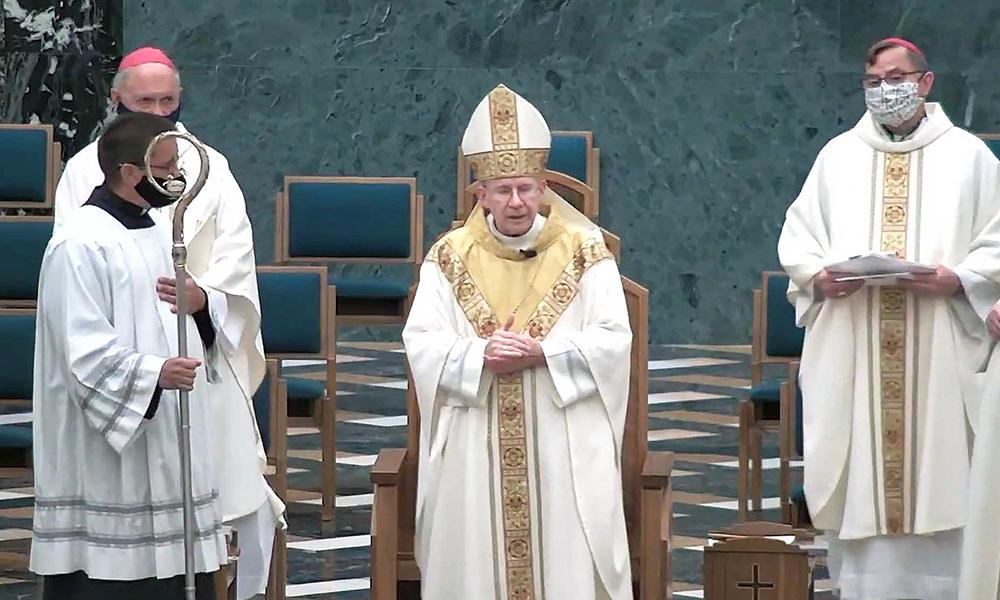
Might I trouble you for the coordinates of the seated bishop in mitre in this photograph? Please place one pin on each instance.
(519, 340)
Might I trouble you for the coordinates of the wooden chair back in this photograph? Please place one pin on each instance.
(352, 221)
(636, 424)
(775, 339)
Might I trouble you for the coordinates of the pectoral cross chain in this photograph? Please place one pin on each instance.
(756, 585)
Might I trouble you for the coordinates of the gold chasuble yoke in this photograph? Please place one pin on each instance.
(491, 282)
(891, 313)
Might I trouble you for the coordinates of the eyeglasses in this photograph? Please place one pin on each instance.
(174, 164)
(872, 82)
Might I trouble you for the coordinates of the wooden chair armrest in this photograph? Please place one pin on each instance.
(656, 510)
(387, 473)
(388, 467)
(656, 470)
(793, 372)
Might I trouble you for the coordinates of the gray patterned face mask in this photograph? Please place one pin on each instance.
(893, 105)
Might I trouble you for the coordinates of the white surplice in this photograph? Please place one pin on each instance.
(220, 258)
(108, 495)
(574, 420)
(888, 378)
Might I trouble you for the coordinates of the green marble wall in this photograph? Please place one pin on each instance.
(708, 113)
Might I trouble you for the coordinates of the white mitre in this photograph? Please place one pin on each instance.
(506, 137)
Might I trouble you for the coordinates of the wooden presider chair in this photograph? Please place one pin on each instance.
(776, 340)
(31, 164)
(645, 480)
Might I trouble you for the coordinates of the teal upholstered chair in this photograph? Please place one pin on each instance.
(355, 220)
(31, 163)
(298, 317)
(22, 242)
(17, 333)
(776, 341)
(271, 409)
(992, 141)
(574, 173)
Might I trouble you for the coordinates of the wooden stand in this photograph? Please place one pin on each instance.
(746, 564)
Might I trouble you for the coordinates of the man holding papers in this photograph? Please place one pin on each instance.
(887, 369)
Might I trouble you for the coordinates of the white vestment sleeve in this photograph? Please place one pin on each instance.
(591, 365)
(232, 267)
(979, 271)
(804, 245)
(218, 309)
(605, 339)
(114, 384)
(447, 367)
(570, 372)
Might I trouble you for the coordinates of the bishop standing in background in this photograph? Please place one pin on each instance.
(888, 373)
(223, 280)
(108, 520)
(518, 340)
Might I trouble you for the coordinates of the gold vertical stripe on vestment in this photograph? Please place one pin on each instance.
(892, 306)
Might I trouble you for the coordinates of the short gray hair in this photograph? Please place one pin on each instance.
(122, 76)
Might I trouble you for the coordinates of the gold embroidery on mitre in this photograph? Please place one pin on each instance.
(893, 349)
(508, 163)
(503, 119)
(507, 158)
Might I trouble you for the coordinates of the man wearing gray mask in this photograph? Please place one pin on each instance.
(887, 368)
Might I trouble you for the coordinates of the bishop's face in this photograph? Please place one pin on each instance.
(513, 202)
(151, 88)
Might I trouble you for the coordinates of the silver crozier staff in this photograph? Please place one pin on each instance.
(180, 273)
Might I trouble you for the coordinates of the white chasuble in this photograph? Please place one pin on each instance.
(108, 495)
(887, 376)
(519, 492)
(220, 259)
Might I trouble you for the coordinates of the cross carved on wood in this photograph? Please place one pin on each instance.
(756, 585)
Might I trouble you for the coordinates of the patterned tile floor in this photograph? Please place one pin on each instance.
(694, 395)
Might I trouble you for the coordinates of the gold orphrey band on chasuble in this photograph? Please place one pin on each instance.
(892, 307)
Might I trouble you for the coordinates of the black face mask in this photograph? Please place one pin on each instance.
(172, 117)
(156, 198)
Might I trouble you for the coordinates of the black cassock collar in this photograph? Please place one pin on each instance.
(126, 213)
